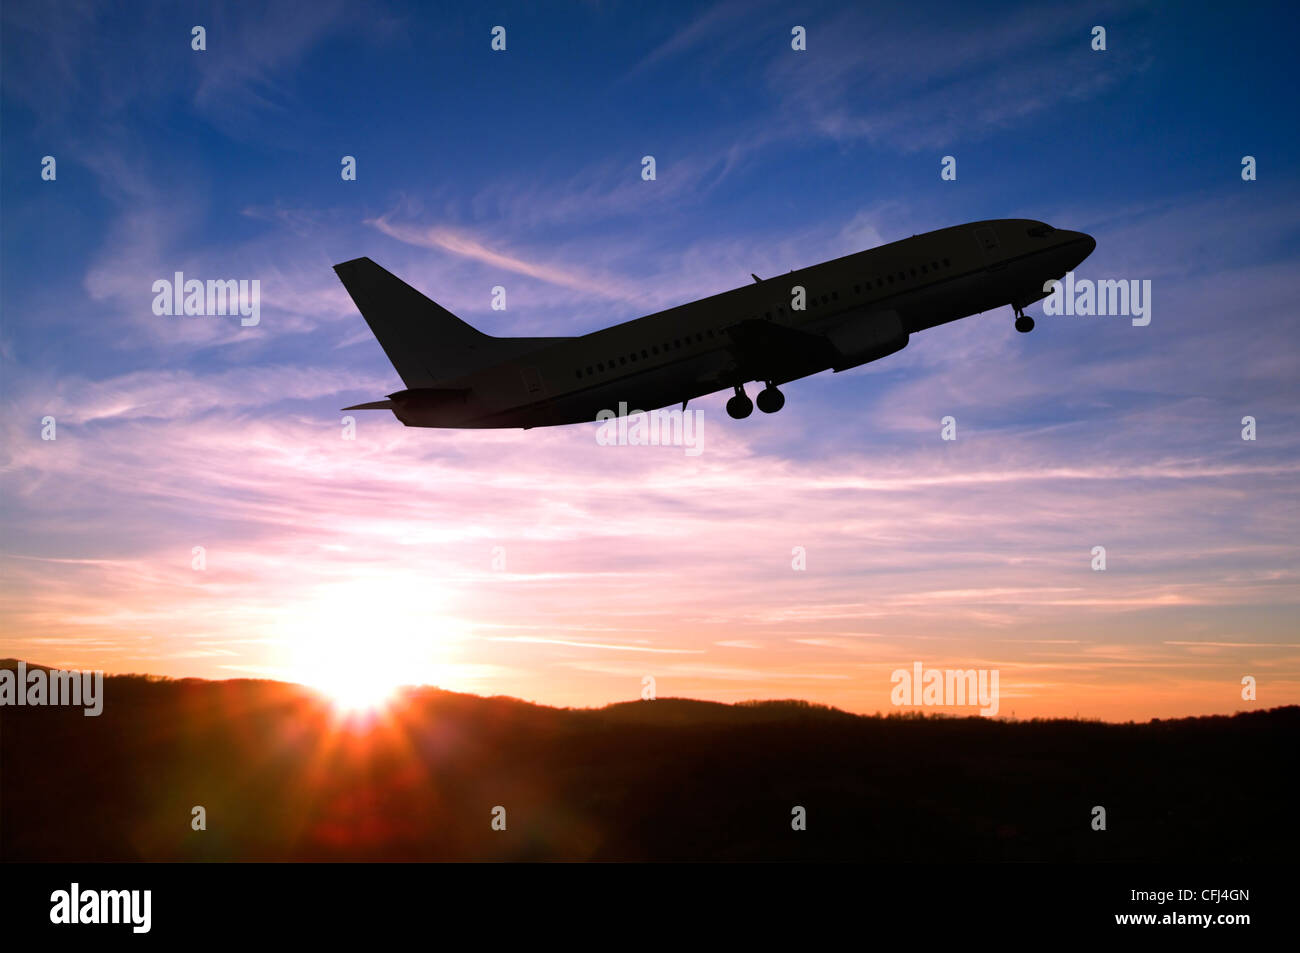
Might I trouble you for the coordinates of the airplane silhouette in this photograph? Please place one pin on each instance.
(836, 315)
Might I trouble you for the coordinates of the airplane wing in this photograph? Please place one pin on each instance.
(762, 346)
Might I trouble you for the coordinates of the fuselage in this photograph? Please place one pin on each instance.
(855, 309)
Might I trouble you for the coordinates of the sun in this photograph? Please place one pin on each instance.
(356, 693)
(359, 643)
(357, 676)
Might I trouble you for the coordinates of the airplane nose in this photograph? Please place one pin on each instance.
(1082, 245)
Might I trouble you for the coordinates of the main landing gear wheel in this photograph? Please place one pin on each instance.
(1024, 323)
(740, 406)
(770, 400)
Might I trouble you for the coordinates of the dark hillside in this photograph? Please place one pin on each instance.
(670, 779)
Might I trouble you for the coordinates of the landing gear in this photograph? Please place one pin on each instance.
(1024, 323)
(740, 406)
(770, 400)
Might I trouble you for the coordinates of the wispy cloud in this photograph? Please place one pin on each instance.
(458, 243)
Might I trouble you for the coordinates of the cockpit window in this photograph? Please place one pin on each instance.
(1040, 231)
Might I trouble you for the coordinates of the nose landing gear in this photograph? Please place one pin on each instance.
(1024, 323)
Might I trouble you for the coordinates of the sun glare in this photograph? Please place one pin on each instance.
(359, 643)
(355, 693)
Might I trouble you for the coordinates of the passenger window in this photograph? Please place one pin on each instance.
(601, 367)
(857, 289)
(644, 355)
(925, 269)
(946, 263)
(589, 372)
(835, 296)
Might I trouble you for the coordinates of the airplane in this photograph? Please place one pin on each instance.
(834, 316)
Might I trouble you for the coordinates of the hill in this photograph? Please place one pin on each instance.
(280, 778)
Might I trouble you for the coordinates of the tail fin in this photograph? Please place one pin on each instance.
(425, 342)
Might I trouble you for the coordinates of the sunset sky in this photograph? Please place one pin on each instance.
(373, 558)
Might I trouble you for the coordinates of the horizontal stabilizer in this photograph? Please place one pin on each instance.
(418, 398)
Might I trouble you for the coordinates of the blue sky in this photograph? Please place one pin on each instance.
(522, 169)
